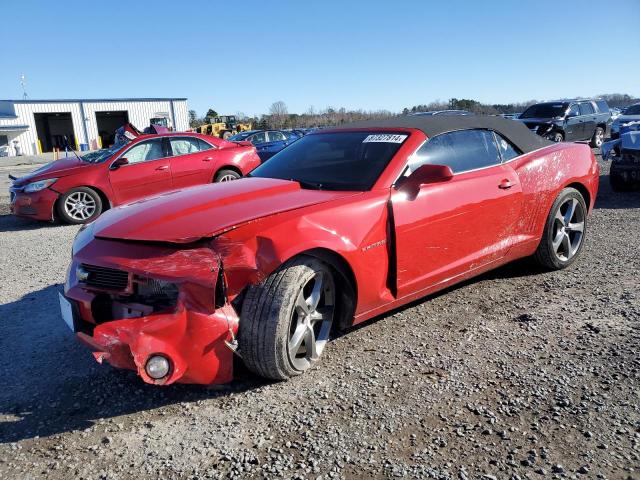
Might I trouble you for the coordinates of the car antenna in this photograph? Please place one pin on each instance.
(66, 141)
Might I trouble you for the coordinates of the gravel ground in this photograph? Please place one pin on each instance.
(516, 374)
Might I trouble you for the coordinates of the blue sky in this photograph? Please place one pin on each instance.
(356, 54)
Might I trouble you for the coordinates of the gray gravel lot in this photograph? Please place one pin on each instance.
(517, 374)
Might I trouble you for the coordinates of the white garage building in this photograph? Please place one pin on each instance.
(29, 127)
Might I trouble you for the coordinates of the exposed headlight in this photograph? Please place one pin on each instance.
(39, 185)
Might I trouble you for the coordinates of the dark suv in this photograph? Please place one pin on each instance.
(569, 120)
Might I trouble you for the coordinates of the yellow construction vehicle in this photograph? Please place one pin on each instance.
(223, 126)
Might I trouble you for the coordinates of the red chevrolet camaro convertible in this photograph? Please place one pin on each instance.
(341, 226)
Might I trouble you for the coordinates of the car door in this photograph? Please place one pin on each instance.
(455, 227)
(148, 171)
(574, 129)
(276, 141)
(259, 140)
(192, 161)
(588, 115)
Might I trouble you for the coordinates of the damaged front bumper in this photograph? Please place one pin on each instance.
(130, 302)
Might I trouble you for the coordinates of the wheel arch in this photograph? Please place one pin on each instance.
(226, 167)
(106, 203)
(345, 278)
(584, 191)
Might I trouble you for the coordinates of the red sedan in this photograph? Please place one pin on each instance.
(339, 227)
(78, 189)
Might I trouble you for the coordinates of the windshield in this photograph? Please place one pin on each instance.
(632, 110)
(545, 110)
(100, 156)
(334, 161)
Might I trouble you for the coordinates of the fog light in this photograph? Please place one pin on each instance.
(158, 367)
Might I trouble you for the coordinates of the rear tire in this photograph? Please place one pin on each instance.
(79, 205)
(286, 319)
(226, 175)
(564, 231)
(598, 138)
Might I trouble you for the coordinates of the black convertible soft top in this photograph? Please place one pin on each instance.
(513, 130)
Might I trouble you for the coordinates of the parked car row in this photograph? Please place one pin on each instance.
(340, 226)
(268, 142)
(624, 150)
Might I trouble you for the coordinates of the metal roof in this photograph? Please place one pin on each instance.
(86, 100)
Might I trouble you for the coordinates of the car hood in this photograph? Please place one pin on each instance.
(188, 215)
(55, 169)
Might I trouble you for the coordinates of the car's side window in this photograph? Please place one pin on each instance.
(202, 145)
(145, 151)
(258, 138)
(276, 137)
(586, 108)
(574, 111)
(184, 145)
(463, 150)
(507, 150)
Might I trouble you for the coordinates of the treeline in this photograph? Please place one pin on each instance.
(279, 116)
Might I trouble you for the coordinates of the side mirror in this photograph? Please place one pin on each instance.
(119, 163)
(424, 175)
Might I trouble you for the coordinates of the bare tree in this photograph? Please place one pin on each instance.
(278, 114)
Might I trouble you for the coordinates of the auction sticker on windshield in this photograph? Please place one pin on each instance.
(385, 137)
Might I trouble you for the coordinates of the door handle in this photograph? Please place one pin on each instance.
(505, 184)
(163, 167)
(207, 159)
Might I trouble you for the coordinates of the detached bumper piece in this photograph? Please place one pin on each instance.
(192, 344)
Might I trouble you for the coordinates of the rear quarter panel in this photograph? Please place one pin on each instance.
(544, 173)
(242, 158)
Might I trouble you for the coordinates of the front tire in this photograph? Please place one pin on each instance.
(79, 205)
(598, 138)
(286, 319)
(564, 231)
(556, 137)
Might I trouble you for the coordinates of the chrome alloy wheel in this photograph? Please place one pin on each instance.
(599, 140)
(568, 229)
(80, 206)
(311, 321)
(227, 178)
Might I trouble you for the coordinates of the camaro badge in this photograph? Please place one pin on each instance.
(373, 245)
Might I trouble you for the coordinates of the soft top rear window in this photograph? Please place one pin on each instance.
(335, 161)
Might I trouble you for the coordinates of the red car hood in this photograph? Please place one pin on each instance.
(56, 169)
(187, 215)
